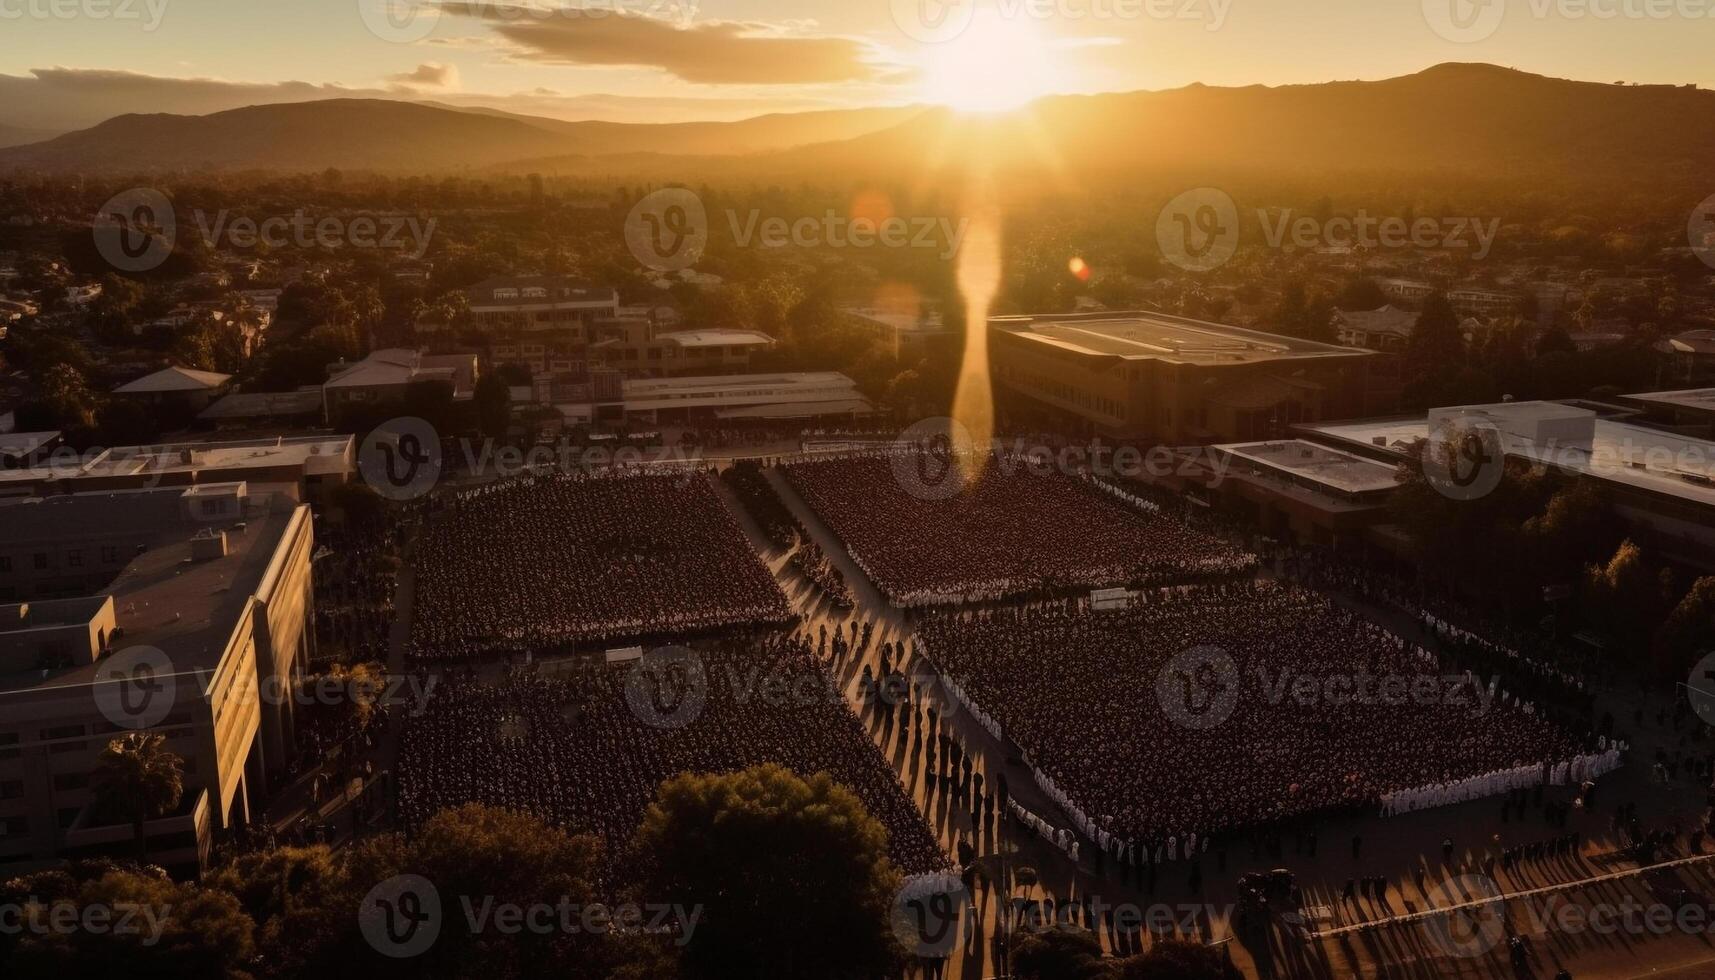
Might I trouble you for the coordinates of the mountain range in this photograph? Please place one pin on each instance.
(1461, 118)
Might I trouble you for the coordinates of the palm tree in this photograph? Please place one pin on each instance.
(137, 775)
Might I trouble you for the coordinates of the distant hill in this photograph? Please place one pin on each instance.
(383, 135)
(1476, 119)
(1456, 118)
(777, 131)
(14, 136)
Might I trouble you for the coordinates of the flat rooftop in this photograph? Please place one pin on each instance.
(1698, 399)
(316, 454)
(1330, 468)
(1162, 337)
(730, 391)
(1620, 453)
(162, 598)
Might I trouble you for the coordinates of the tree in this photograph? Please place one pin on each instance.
(1689, 632)
(173, 932)
(1434, 351)
(1174, 959)
(1059, 954)
(341, 700)
(477, 859)
(138, 777)
(1626, 596)
(762, 844)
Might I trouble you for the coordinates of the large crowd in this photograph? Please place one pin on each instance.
(1012, 532)
(354, 580)
(569, 747)
(542, 564)
(1090, 697)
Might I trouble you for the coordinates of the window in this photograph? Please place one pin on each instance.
(67, 781)
(74, 559)
(11, 789)
(109, 554)
(68, 816)
(211, 508)
(14, 827)
(41, 561)
(5, 563)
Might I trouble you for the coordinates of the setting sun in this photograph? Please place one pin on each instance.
(994, 65)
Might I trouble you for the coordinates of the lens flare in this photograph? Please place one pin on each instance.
(979, 280)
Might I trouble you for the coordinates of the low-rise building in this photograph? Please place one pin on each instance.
(1384, 329)
(386, 375)
(185, 612)
(176, 391)
(1173, 380)
(1659, 483)
(294, 468)
(737, 399)
(522, 304)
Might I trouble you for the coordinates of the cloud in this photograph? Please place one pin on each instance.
(710, 52)
(59, 100)
(428, 75)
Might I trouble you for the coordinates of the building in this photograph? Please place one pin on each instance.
(823, 397)
(522, 304)
(1179, 381)
(176, 390)
(1290, 489)
(1658, 482)
(1405, 290)
(1691, 408)
(242, 410)
(907, 336)
(1690, 356)
(1386, 329)
(20, 450)
(386, 375)
(180, 611)
(640, 346)
(296, 468)
(1482, 302)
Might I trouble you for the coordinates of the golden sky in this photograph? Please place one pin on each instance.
(660, 60)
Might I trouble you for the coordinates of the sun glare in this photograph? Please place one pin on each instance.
(994, 65)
